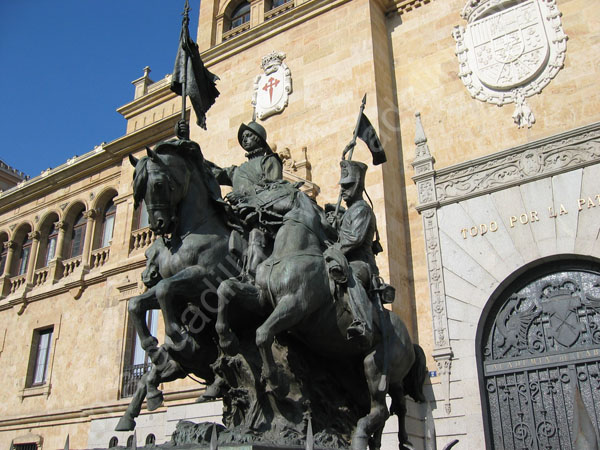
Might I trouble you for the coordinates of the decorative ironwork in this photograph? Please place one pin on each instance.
(131, 376)
(541, 347)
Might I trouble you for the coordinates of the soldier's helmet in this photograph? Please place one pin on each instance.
(256, 129)
(353, 174)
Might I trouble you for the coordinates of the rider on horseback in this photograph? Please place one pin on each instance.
(263, 166)
(356, 231)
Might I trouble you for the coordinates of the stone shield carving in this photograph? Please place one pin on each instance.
(510, 51)
(272, 88)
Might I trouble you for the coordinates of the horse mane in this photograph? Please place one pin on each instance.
(140, 179)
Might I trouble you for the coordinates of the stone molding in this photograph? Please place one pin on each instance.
(404, 6)
(539, 159)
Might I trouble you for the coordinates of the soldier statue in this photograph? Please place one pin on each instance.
(356, 231)
(263, 166)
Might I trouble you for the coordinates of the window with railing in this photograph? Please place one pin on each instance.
(139, 361)
(240, 15)
(140, 218)
(3, 253)
(77, 236)
(277, 3)
(28, 446)
(24, 254)
(51, 247)
(108, 224)
(39, 357)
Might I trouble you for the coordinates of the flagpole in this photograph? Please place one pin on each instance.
(184, 27)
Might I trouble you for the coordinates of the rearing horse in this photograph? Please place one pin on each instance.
(183, 201)
(293, 284)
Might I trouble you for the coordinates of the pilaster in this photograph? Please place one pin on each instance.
(425, 180)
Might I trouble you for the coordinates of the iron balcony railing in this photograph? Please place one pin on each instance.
(131, 376)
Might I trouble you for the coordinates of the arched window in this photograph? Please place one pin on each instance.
(130, 441)
(141, 216)
(24, 256)
(114, 441)
(277, 3)
(77, 236)
(150, 439)
(3, 252)
(51, 247)
(240, 15)
(108, 224)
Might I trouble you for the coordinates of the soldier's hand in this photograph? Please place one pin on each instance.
(332, 218)
(182, 130)
(233, 197)
(349, 147)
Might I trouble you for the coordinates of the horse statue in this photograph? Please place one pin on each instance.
(293, 290)
(184, 266)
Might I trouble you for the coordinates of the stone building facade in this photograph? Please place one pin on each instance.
(487, 208)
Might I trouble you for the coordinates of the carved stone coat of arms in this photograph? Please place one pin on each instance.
(509, 51)
(272, 88)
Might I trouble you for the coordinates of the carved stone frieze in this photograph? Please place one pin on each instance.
(560, 153)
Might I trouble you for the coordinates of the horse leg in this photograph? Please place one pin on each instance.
(246, 295)
(137, 307)
(290, 310)
(375, 420)
(127, 421)
(375, 440)
(399, 408)
(186, 284)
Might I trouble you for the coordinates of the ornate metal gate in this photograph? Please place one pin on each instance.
(541, 364)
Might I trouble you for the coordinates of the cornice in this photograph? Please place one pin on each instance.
(154, 97)
(99, 410)
(404, 6)
(87, 164)
(268, 29)
(535, 160)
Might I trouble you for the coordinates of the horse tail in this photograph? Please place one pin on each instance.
(414, 380)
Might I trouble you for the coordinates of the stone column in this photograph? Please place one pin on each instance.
(90, 215)
(55, 265)
(10, 256)
(35, 245)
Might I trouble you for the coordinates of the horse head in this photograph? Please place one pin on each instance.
(162, 179)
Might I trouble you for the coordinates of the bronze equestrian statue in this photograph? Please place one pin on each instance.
(280, 334)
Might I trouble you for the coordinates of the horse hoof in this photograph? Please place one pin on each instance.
(125, 424)
(154, 402)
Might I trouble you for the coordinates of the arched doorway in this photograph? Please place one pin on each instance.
(538, 349)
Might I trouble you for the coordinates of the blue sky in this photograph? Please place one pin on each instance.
(66, 65)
